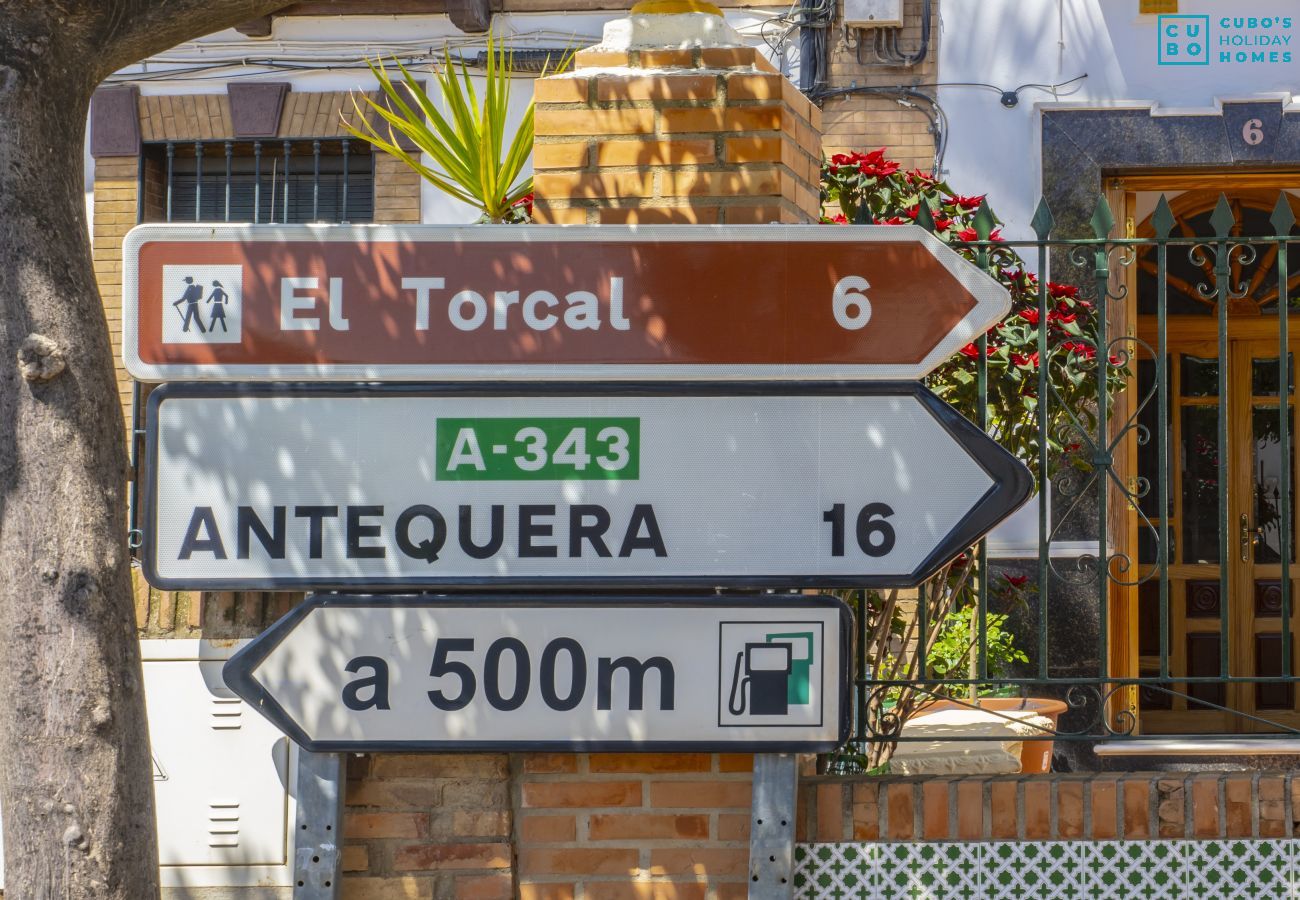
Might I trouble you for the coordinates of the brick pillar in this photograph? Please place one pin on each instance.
(671, 119)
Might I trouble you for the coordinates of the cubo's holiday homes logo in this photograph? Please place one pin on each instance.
(202, 304)
(1187, 40)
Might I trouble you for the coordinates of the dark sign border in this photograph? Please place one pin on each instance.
(1012, 484)
(238, 670)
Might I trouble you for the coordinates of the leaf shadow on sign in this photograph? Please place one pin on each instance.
(533, 294)
(326, 486)
(411, 671)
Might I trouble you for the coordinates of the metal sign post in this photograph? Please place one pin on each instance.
(318, 826)
(404, 486)
(772, 826)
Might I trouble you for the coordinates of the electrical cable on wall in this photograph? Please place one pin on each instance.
(913, 96)
(212, 60)
(909, 98)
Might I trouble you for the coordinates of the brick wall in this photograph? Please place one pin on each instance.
(636, 825)
(1105, 806)
(116, 189)
(547, 826)
(420, 827)
(863, 121)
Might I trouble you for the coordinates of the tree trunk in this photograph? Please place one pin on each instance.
(78, 816)
(75, 774)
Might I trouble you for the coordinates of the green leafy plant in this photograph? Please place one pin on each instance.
(468, 144)
(950, 655)
(955, 652)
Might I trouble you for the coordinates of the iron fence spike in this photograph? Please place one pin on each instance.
(1282, 219)
(1222, 219)
(1162, 220)
(1102, 220)
(984, 221)
(1042, 221)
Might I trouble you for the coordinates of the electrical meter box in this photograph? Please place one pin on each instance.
(221, 773)
(873, 13)
(223, 778)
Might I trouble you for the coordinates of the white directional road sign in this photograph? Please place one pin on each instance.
(364, 673)
(326, 486)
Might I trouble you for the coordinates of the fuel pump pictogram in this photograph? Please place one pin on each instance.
(771, 673)
(765, 689)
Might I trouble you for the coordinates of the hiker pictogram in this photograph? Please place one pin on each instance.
(201, 304)
(219, 298)
(190, 301)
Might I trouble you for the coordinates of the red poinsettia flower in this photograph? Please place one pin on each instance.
(1062, 290)
(878, 170)
(1025, 360)
(969, 234)
(970, 351)
(966, 202)
(1030, 315)
(1017, 580)
(894, 220)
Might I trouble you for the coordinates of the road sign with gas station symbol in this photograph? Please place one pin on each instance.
(761, 672)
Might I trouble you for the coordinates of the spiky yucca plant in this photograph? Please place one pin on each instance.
(466, 144)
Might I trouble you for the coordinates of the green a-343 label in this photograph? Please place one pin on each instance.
(539, 449)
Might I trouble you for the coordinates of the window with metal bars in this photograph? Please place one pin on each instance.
(270, 181)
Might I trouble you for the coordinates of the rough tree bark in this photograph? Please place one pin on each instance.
(75, 775)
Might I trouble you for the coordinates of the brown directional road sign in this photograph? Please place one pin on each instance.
(407, 303)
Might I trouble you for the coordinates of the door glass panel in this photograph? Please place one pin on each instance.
(1264, 376)
(1148, 451)
(1268, 663)
(1200, 377)
(1265, 476)
(1203, 661)
(1200, 465)
(1149, 618)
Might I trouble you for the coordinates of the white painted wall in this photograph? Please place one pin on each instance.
(1009, 43)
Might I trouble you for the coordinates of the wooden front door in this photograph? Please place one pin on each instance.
(1209, 631)
(1207, 628)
